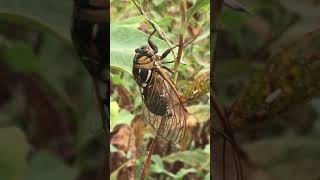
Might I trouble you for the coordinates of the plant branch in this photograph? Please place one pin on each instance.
(147, 162)
(153, 24)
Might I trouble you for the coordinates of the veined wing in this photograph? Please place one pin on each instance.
(163, 104)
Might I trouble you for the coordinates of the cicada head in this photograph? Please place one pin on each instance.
(144, 55)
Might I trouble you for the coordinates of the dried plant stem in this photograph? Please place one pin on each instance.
(183, 8)
(179, 56)
(145, 5)
(147, 162)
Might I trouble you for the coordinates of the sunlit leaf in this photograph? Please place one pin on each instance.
(114, 113)
(125, 117)
(158, 167)
(195, 158)
(132, 22)
(199, 4)
(114, 174)
(118, 116)
(182, 172)
(123, 42)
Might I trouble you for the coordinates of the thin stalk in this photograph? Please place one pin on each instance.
(147, 162)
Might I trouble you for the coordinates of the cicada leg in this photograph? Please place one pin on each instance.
(168, 69)
(168, 62)
(165, 54)
(151, 44)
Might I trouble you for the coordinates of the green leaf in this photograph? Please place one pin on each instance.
(46, 166)
(114, 113)
(157, 161)
(21, 58)
(13, 154)
(116, 79)
(125, 117)
(158, 167)
(50, 15)
(182, 172)
(113, 148)
(123, 42)
(195, 158)
(200, 111)
(207, 148)
(199, 4)
(114, 174)
(207, 177)
(118, 116)
(132, 22)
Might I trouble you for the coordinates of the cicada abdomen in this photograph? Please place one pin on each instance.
(164, 110)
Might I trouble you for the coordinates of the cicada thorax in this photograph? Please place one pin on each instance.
(147, 78)
(159, 96)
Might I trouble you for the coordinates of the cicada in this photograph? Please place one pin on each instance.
(164, 110)
(89, 33)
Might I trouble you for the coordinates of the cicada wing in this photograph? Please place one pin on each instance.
(163, 104)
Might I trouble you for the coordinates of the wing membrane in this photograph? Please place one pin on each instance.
(163, 104)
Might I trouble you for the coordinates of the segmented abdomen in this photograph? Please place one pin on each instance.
(153, 91)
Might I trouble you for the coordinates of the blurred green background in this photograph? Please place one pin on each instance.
(267, 78)
(50, 127)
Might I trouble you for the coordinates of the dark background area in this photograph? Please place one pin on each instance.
(49, 122)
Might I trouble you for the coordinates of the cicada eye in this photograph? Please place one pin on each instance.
(150, 54)
(137, 50)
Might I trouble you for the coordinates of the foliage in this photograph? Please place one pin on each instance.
(130, 30)
(267, 74)
(48, 111)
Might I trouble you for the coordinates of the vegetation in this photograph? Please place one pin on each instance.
(50, 127)
(267, 76)
(130, 28)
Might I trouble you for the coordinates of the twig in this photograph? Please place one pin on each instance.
(147, 162)
(183, 8)
(145, 5)
(153, 24)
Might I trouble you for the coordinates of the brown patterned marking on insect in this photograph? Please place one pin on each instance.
(159, 94)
